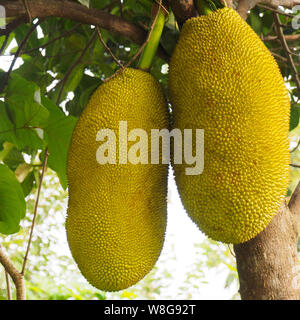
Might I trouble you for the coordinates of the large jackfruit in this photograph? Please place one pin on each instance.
(117, 212)
(224, 80)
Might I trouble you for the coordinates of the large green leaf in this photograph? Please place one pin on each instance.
(58, 134)
(24, 100)
(24, 114)
(255, 21)
(7, 131)
(12, 203)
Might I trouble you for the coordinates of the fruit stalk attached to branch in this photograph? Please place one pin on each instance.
(159, 16)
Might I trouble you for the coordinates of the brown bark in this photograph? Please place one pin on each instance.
(183, 10)
(267, 264)
(245, 5)
(77, 12)
(16, 276)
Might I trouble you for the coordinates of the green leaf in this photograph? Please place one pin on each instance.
(12, 203)
(28, 183)
(24, 100)
(99, 4)
(74, 78)
(24, 115)
(255, 22)
(7, 130)
(58, 133)
(294, 118)
(13, 157)
(267, 22)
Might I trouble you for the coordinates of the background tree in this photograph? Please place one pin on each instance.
(58, 59)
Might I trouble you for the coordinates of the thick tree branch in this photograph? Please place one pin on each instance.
(17, 277)
(80, 13)
(75, 11)
(294, 203)
(183, 9)
(245, 5)
(267, 264)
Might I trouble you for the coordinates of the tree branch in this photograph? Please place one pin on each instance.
(245, 6)
(288, 37)
(7, 285)
(23, 43)
(287, 51)
(80, 13)
(12, 25)
(64, 34)
(16, 276)
(183, 10)
(68, 73)
(35, 211)
(267, 264)
(294, 203)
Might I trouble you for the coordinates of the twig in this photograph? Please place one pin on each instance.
(288, 37)
(295, 165)
(294, 149)
(23, 43)
(275, 10)
(283, 59)
(4, 43)
(46, 155)
(121, 8)
(107, 48)
(77, 12)
(160, 6)
(244, 6)
(16, 276)
(287, 51)
(230, 250)
(12, 25)
(68, 73)
(141, 48)
(7, 285)
(278, 56)
(53, 40)
(149, 33)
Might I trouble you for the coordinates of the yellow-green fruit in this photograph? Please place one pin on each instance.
(224, 80)
(117, 212)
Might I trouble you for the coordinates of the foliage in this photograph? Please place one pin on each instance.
(46, 92)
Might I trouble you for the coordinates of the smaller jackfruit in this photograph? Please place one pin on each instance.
(224, 80)
(117, 214)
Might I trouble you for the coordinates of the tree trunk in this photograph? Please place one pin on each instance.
(267, 264)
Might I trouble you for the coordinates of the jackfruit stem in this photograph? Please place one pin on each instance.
(150, 49)
(206, 7)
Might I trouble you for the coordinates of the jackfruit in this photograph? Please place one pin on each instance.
(224, 80)
(117, 213)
